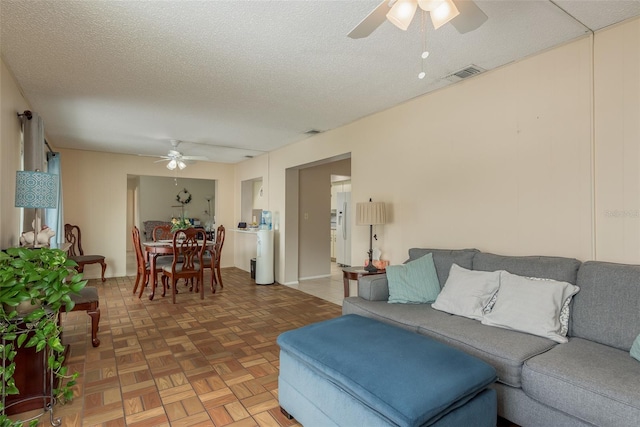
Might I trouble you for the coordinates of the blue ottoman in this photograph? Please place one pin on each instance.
(356, 371)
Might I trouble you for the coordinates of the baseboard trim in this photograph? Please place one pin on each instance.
(322, 276)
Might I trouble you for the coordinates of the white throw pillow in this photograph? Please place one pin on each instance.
(467, 292)
(531, 306)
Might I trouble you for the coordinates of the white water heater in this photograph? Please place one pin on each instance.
(264, 258)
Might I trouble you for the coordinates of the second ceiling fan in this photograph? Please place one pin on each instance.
(464, 15)
(176, 159)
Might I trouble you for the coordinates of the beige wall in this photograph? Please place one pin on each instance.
(617, 138)
(95, 197)
(11, 102)
(158, 198)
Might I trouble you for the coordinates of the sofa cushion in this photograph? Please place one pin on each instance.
(444, 258)
(606, 309)
(530, 305)
(591, 381)
(545, 267)
(504, 349)
(414, 282)
(406, 316)
(467, 292)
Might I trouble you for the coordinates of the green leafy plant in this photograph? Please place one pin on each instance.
(42, 280)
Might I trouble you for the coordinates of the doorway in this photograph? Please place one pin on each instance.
(340, 220)
(154, 198)
(312, 219)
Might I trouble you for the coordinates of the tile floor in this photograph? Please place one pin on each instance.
(211, 362)
(329, 288)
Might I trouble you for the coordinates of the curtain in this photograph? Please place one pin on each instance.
(54, 218)
(34, 148)
(34, 157)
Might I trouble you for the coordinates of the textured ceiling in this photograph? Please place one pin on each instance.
(129, 76)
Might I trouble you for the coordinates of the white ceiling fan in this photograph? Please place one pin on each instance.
(176, 159)
(464, 15)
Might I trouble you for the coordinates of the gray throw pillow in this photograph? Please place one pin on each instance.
(467, 292)
(531, 306)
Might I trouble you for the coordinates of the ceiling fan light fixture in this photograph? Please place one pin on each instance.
(402, 13)
(172, 164)
(444, 13)
(181, 164)
(429, 5)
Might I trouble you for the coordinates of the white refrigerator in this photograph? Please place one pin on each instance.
(343, 229)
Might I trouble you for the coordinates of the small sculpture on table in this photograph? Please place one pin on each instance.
(41, 240)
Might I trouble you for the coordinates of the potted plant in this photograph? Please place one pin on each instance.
(35, 284)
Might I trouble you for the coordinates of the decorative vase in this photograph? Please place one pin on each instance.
(23, 308)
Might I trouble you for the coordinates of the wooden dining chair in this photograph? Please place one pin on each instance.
(143, 266)
(216, 275)
(188, 249)
(162, 232)
(73, 236)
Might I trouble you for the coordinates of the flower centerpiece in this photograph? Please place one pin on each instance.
(180, 224)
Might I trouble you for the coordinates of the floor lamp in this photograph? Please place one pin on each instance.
(370, 213)
(36, 190)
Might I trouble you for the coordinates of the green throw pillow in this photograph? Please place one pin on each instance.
(635, 349)
(415, 282)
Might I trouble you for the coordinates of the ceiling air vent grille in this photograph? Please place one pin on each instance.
(465, 73)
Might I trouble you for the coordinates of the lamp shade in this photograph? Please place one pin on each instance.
(370, 213)
(36, 190)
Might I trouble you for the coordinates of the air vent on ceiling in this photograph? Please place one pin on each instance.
(312, 132)
(248, 157)
(465, 73)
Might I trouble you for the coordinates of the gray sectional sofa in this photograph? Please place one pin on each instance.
(591, 380)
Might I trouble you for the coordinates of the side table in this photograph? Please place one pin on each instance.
(354, 273)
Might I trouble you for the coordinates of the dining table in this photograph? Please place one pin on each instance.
(162, 247)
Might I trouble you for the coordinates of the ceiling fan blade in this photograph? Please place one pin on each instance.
(371, 22)
(205, 159)
(471, 16)
(153, 155)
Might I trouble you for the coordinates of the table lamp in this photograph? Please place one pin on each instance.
(370, 213)
(37, 190)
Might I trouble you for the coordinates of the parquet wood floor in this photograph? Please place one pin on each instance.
(211, 362)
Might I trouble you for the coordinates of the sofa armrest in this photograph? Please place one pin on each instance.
(373, 288)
